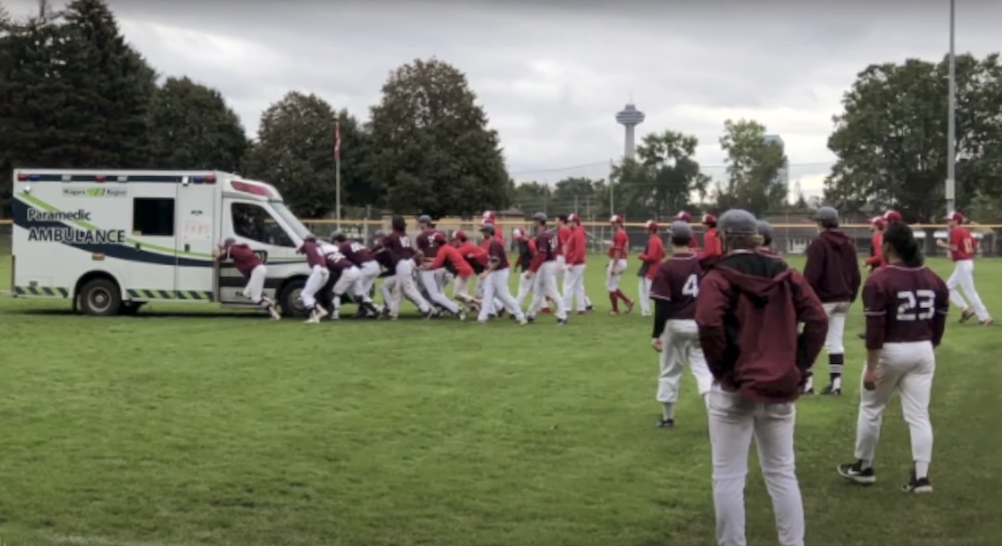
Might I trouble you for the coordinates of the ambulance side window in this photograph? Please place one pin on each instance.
(255, 223)
(153, 216)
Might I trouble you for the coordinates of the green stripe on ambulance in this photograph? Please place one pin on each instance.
(182, 295)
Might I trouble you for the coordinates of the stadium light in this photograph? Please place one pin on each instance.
(951, 120)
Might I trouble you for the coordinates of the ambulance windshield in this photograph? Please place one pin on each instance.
(290, 219)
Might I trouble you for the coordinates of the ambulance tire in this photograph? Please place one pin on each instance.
(100, 298)
(288, 299)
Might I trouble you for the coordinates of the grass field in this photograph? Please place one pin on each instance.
(192, 426)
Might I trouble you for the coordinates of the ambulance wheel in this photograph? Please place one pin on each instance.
(289, 300)
(100, 298)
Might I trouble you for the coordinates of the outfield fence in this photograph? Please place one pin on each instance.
(789, 238)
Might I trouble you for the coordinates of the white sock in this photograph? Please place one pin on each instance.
(921, 470)
(837, 382)
(810, 383)
(668, 411)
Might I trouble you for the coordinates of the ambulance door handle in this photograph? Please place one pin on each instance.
(138, 246)
(187, 248)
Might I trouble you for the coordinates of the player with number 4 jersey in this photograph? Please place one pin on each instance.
(676, 336)
(905, 304)
(962, 250)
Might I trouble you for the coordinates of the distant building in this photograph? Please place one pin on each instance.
(629, 118)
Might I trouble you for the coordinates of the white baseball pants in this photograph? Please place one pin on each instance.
(546, 287)
(496, 286)
(314, 283)
(406, 287)
(389, 290)
(734, 420)
(574, 288)
(254, 289)
(430, 280)
(836, 313)
(963, 277)
(461, 289)
(907, 368)
(525, 287)
(614, 273)
(645, 296)
(370, 272)
(680, 345)
(350, 280)
(561, 271)
(490, 304)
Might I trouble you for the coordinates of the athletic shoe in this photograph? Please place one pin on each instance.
(562, 321)
(988, 322)
(629, 307)
(462, 314)
(966, 316)
(856, 473)
(831, 391)
(666, 423)
(917, 485)
(523, 322)
(530, 319)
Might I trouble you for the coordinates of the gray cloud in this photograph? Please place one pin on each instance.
(552, 77)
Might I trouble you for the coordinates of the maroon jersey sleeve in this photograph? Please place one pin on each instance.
(546, 244)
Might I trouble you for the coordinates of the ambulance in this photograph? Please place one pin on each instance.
(112, 241)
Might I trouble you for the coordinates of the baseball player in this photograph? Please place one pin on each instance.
(315, 282)
(684, 216)
(765, 231)
(748, 311)
(401, 250)
(428, 244)
(650, 260)
(526, 248)
(617, 264)
(711, 239)
(876, 259)
(253, 269)
(905, 306)
(675, 336)
(832, 271)
(495, 279)
(575, 252)
(544, 269)
(962, 250)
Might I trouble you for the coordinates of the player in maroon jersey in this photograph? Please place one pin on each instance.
(315, 282)
(495, 278)
(675, 336)
(401, 250)
(253, 269)
(544, 269)
(905, 304)
(962, 248)
(362, 258)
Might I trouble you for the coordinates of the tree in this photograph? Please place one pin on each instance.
(662, 180)
(890, 140)
(753, 167)
(295, 152)
(435, 153)
(574, 194)
(191, 127)
(532, 197)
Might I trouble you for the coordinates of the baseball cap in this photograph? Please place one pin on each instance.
(517, 234)
(487, 228)
(684, 216)
(424, 219)
(826, 214)
(651, 224)
(709, 219)
(574, 218)
(680, 228)
(540, 217)
(954, 217)
(737, 222)
(764, 229)
(878, 221)
(458, 234)
(616, 219)
(892, 216)
(439, 237)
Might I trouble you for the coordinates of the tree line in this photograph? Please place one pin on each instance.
(74, 94)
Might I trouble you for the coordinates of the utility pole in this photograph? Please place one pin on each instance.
(951, 120)
(612, 190)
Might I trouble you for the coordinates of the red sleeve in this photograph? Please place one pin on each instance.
(718, 248)
(532, 247)
(440, 258)
(878, 251)
(711, 305)
(812, 314)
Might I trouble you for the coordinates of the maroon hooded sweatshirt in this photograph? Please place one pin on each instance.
(832, 269)
(748, 309)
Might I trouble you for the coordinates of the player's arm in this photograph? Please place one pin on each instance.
(875, 309)
(812, 314)
(711, 305)
(855, 279)
(661, 295)
(537, 260)
(814, 269)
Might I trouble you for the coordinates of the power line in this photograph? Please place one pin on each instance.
(606, 164)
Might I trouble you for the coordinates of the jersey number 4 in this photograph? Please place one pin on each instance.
(917, 305)
(691, 287)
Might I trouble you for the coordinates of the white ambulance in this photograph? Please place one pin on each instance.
(111, 241)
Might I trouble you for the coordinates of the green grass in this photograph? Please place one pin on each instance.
(214, 428)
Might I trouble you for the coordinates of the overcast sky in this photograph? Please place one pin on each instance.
(552, 75)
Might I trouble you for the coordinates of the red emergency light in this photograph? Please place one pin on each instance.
(99, 178)
(252, 189)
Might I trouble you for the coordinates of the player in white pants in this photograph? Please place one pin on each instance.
(962, 250)
(428, 243)
(617, 265)
(545, 272)
(495, 280)
(575, 250)
(350, 282)
(319, 274)
(906, 305)
(400, 246)
(651, 258)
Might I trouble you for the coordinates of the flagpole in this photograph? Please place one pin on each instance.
(337, 173)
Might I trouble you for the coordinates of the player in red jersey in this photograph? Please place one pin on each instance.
(432, 280)
(675, 336)
(876, 259)
(906, 306)
(765, 231)
(618, 252)
(650, 260)
(576, 251)
(544, 269)
(253, 269)
(448, 257)
(711, 240)
(563, 235)
(749, 311)
(962, 249)
(684, 216)
(315, 282)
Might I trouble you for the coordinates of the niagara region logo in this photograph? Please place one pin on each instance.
(96, 191)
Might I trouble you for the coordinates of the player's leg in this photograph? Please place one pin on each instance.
(958, 301)
(774, 430)
(405, 278)
(915, 391)
(370, 272)
(612, 286)
(490, 287)
(503, 293)
(835, 348)
(570, 287)
(644, 291)
(314, 283)
(871, 417)
(524, 288)
(254, 291)
(538, 294)
(431, 281)
(388, 290)
(966, 271)
(561, 273)
(552, 292)
(809, 384)
(731, 425)
(343, 284)
(670, 376)
(584, 303)
(621, 266)
(361, 295)
(693, 352)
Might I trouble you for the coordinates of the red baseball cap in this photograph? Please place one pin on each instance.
(517, 234)
(651, 225)
(439, 237)
(574, 218)
(684, 216)
(709, 218)
(616, 219)
(892, 216)
(878, 221)
(458, 234)
(955, 217)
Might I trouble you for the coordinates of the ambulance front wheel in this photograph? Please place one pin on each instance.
(289, 301)
(100, 298)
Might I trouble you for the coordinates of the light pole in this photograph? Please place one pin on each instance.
(951, 120)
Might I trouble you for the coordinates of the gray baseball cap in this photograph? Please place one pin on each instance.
(379, 233)
(424, 219)
(540, 217)
(826, 214)
(229, 241)
(680, 229)
(737, 222)
(487, 228)
(765, 229)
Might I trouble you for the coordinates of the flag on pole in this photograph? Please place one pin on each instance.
(337, 140)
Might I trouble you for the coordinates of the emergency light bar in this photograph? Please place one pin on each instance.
(22, 177)
(252, 189)
(210, 179)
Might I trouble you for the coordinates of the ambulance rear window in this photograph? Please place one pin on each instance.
(153, 216)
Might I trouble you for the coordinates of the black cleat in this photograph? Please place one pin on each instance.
(831, 391)
(966, 316)
(808, 392)
(666, 423)
(916, 485)
(562, 321)
(530, 320)
(857, 473)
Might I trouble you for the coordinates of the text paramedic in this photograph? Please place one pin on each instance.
(68, 234)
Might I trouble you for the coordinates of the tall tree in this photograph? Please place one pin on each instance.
(295, 152)
(890, 140)
(436, 153)
(574, 194)
(753, 167)
(531, 197)
(191, 127)
(663, 179)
